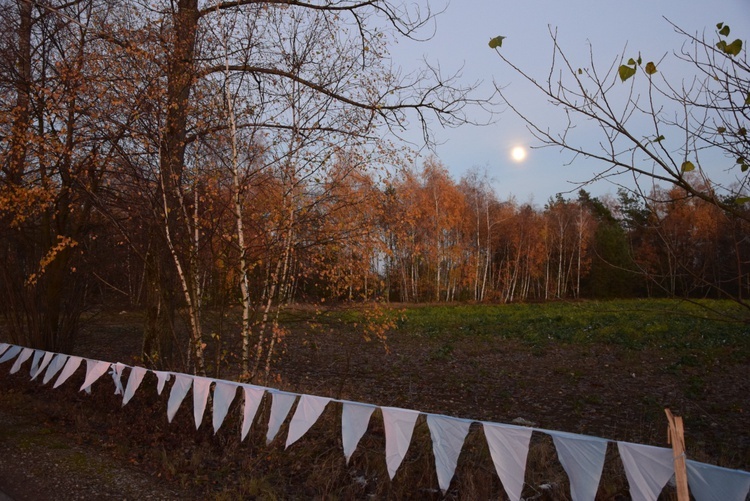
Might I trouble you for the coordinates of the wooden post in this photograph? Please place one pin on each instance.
(676, 435)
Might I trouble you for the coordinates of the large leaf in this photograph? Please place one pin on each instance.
(724, 31)
(687, 166)
(496, 42)
(731, 49)
(734, 48)
(650, 68)
(625, 72)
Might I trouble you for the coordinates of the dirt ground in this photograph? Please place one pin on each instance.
(49, 451)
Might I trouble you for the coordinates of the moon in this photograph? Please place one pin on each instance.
(518, 153)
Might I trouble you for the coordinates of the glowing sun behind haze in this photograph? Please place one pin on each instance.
(518, 153)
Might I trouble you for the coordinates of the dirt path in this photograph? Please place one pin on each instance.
(39, 463)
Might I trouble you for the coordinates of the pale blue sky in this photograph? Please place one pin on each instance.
(464, 30)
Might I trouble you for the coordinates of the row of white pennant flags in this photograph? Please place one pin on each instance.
(648, 468)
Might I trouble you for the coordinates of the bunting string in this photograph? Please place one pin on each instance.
(647, 468)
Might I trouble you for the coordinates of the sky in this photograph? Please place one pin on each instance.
(461, 43)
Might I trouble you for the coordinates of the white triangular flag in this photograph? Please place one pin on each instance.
(201, 389)
(180, 388)
(70, 367)
(23, 357)
(224, 394)
(647, 468)
(11, 353)
(308, 411)
(43, 364)
(116, 373)
(399, 426)
(134, 381)
(713, 483)
(448, 435)
(281, 404)
(509, 448)
(38, 354)
(162, 378)
(57, 363)
(253, 396)
(94, 370)
(582, 457)
(3, 347)
(354, 420)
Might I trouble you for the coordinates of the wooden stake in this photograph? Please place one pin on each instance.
(676, 436)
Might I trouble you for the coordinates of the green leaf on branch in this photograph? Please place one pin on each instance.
(742, 132)
(734, 48)
(625, 72)
(687, 166)
(659, 139)
(731, 49)
(496, 42)
(631, 62)
(747, 99)
(743, 163)
(721, 130)
(723, 30)
(742, 200)
(650, 68)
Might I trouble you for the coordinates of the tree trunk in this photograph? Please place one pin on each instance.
(176, 234)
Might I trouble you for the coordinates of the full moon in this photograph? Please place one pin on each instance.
(518, 153)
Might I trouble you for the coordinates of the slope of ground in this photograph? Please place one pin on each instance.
(611, 390)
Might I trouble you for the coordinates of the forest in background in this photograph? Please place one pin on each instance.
(179, 158)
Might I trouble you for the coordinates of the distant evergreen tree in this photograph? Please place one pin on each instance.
(612, 272)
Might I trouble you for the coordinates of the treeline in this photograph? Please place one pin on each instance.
(446, 241)
(421, 236)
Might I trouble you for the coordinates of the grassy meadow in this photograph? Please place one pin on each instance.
(630, 323)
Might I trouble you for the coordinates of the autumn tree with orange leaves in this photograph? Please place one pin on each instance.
(54, 154)
(152, 103)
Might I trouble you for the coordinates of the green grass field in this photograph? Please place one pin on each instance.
(630, 323)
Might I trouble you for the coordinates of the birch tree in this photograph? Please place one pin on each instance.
(306, 73)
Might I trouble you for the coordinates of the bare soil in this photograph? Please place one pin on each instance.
(61, 444)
